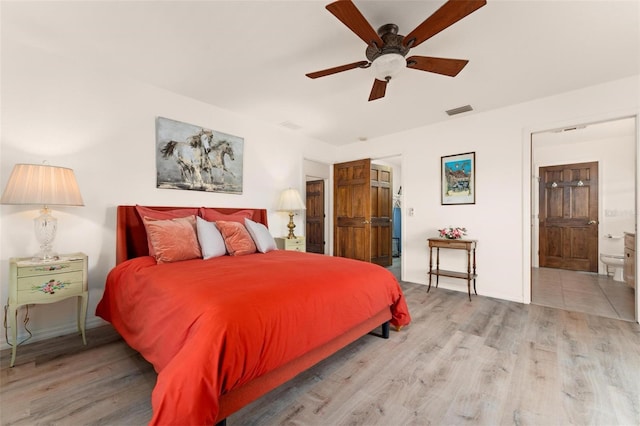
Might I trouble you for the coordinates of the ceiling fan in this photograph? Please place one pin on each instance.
(386, 49)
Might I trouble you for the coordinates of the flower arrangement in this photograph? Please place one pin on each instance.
(451, 233)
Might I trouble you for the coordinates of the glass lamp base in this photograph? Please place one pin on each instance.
(45, 255)
(45, 226)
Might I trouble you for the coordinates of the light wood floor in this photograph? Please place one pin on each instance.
(582, 292)
(484, 362)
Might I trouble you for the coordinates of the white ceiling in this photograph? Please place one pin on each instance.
(251, 56)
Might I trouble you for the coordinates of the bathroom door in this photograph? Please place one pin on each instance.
(315, 216)
(569, 217)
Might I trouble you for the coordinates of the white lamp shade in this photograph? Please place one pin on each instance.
(41, 184)
(388, 65)
(290, 200)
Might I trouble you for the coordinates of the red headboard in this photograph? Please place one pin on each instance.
(131, 237)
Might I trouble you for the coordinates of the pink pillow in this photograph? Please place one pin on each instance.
(213, 215)
(173, 239)
(236, 238)
(151, 213)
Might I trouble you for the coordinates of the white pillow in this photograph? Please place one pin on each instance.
(210, 239)
(261, 236)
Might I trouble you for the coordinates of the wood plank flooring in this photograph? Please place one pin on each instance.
(484, 362)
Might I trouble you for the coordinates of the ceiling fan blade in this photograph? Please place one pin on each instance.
(348, 14)
(334, 70)
(378, 90)
(444, 66)
(448, 14)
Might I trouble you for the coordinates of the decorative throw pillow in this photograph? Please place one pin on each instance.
(151, 213)
(213, 215)
(236, 238)
(210, 239)
(261, 236)
(173, 239)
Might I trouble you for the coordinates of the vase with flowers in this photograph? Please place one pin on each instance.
(452, 233)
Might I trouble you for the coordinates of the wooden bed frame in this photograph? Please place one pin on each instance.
(131, 241)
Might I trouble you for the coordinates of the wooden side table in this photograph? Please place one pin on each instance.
(469, 246)
(33, 282)
(295, 244)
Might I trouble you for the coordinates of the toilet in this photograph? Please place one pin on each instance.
(613, 262)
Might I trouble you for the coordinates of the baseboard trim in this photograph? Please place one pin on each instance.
(49, 333)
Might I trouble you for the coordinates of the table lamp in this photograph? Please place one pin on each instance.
(290, 201)
(45, 185)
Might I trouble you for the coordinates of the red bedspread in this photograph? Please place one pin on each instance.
(209, 326)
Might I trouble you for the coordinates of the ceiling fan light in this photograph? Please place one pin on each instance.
(387, 66)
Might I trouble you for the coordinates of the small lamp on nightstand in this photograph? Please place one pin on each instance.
(43, 185)
(290, 201)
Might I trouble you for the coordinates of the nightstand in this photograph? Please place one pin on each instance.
(294, 244)
(33, 282)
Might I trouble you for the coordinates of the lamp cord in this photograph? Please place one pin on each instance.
(25, 322)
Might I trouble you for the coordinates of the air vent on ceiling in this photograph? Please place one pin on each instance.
(569, 129)
(459, 110)
(290, 125)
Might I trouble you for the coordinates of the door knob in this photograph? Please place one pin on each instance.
(365, 222)
(592, 222)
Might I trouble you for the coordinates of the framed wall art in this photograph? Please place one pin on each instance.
(458, 179)
(195, 158)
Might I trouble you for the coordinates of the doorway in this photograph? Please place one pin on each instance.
(363, 211)
(315, 216)
(395, 162)
(558, 283)
(317, 223)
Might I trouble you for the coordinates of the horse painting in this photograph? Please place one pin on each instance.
(195, 158)
(219, 150)
(192, 157)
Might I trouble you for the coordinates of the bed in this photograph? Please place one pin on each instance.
(224, 331)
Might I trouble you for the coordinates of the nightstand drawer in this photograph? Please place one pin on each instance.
(44, 269)
(293, 244)
(38, 289)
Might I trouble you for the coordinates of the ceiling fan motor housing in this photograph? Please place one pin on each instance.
(392, 43)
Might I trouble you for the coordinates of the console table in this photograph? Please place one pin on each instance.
(469, 246)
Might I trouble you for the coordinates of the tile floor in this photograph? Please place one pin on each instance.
(582, 292)
(575, 291)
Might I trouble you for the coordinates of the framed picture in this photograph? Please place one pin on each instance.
(458, 179)
(196, 158)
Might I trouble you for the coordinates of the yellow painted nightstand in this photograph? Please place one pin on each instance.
(32, 282)
(294, 244)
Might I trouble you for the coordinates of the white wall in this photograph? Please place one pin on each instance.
(103, 126)
(499, 219)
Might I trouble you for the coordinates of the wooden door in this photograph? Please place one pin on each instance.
(352, 210)
(568, 217)
(381, 214)
(315, 216)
